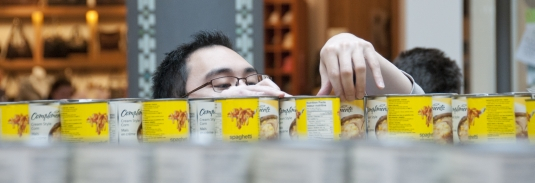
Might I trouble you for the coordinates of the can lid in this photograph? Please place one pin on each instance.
(407, 95)
(315, 97)
(489, 96)
(11, 103)
(44, 101)
(84, 101)
(518, 93)
(127, 99)
(245, 97)
(472, 94)
(166, 99)
(441, 94)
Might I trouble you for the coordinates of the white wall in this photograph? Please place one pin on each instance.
(482, 46)
(436, 24)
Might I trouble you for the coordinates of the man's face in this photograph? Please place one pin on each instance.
(212, 62)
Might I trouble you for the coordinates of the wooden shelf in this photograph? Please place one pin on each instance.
(77, 11)
(106, 60)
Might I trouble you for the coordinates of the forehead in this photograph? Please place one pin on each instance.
(206, 59)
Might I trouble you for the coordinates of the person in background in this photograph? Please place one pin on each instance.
(430, 68)
(61, 89)
(208, 67)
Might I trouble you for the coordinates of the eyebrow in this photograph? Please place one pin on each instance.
(250, 70)
(214, 72)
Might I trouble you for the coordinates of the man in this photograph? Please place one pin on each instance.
(430, 68)
(208, 67)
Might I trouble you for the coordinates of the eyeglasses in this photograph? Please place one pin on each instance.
(223, 83)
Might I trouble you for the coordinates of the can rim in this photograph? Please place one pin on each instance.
(18, 102)
(44, 101)
(407, 95)
(167, 99)
(475, 94)
(488, 96)
(518, 93)
(245, 97)
(82, 101)
(315, 97)
(127, 99)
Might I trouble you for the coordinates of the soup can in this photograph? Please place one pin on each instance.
(239, 119)
(288, 118)
(442, 118)
(530, 125)
(203, 119)
(491, 119)
(376, 119)
(410, 117)
(352, 120)
(521, 121)
(125, 120)
(45, 125)
(165, 120)
(15, 121)
(268, 111)
(319, 118)
(84, 121)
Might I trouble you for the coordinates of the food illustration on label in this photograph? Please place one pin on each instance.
(140, 133)
(241, 116)
(353, 127)
(381, 128)
(442, 125)
(521, 122)
(55, 133)
(293, 126)
(426, 112)
(180, 117)
(472, 114)
(20, 121)
(462, 129)
(98, 119)
(269, 127)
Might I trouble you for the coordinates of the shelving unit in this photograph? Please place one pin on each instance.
(94, 60)
(284, 57)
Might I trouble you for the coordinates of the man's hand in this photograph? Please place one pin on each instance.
(265, 87)
(343, 56)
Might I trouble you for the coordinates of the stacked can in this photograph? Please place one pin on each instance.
(45, 125)
(84, 121)
(376, 120)
(491, 119)
(15, 122)
(521, 121)
(352, 120)
(239, 119)
(203, 120)
(530, 125)
(319, 118)
(410, 117)
(165, 120)
(288, 118)
(442, 118)
(269, 118)
(125, 121)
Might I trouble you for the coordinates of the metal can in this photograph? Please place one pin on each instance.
(125, 120)
(352, 120)
(521, 115)
(239, 119)
(319, 118)
(410, 117)
(15, 121)
(45, 125)
(442, 118)
(269, 118)
(459, 111)
(288, 118)
(202, 119)
(165, 120)
(84, 121)
(491, 119)
(376, 120)
(530, 125)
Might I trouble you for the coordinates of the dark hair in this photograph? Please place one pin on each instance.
(169, 80)
(61, 81)
(431, 69)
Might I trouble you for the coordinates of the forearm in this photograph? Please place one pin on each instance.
(395, 81)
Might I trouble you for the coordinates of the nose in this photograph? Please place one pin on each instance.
(241, 81)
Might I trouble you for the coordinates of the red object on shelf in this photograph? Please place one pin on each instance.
(287, 65)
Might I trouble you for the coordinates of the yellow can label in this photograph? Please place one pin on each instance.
(521, 121)
(15, 122)
(318, 118)
(165, 121)
(239, 119)
(269, 118)
(491, 119)
(410, 118)
(460, 127)
(530, 125)
(84, 122)
(352, 120)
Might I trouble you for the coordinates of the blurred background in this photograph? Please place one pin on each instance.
(109, 48)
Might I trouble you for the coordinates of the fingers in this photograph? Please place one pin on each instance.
(372, 58)
(330, 60)
(326, 86)
(359, 66)
(252, 90)
(346, 72)
(269, 83)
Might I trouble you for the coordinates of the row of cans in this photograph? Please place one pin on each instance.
(442, 118)
(360, 162)
(130, 121)
(452, 119)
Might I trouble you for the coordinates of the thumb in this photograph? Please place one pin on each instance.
(326, 86)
